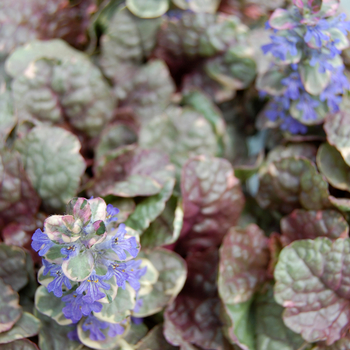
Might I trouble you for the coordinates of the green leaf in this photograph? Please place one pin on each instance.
(10, 310)
(166, 228)
(53, 163)
(311, 282)
(243, 261)
(79, 267)
(337, 127)
(292, 182)
(314, 82)
(154, 340)
(209, 6)
(270, 81)
(238, 325)
(148, 9)
(119, 308)
(150, 208)
(272, 334)
(12, 266)
(135, 333)
(343, 204)
(80, 209)
(7, 116)
(321, 112)
(22, 344)
(49, 305)
(53, 336)
(203, 104)
(172, 276)
(282, 19)
(107, 343)
(54, 254)
(180, 132)
(111, 292)
(27, 326)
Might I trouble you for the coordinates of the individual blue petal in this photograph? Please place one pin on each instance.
(71, 250)
(73, 335)
(307, 106)
(294, 85)
(120, 245)
(40, 241)
(134, 273)
(316, 32)
(91, 287)
(55, 286)
(118, 269)
(293, 126)
(115, 329)
(48, 266)
(281, 45)
(94, 325)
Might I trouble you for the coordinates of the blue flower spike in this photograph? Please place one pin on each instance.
(78, 251)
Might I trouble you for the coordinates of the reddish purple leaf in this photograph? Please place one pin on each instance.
(243, 261)
(212, 199)
(310, 224)
(275, 247)
(282, 19)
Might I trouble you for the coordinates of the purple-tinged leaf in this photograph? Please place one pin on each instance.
(98, 209)
(342, 344)
(291, 183)
(313, 5)
(135, 172)
(10, 310)
(337, 127)
(282, 19)
(12, 266)
(333, 167)
(62, 228)
(193, 318)
(312, 283)
(212, 196)
(343, 204)
(310, 224)
(27, 326)
(329, 8)
(80, 209)
(306, 150)
(244, 257)
(18, 200)
(53, 163)
(275, 247)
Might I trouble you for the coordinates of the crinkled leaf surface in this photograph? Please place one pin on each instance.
(306, 150)
(172, 276)
(49, 305)
(290, 183)
(135, 172)
(333, 167)
(337, 127)
(10, 310)
(150, 208)
(243, 260)
(13, 266)
(312, 284)
(272, 334)
(310, 224)
(166, 228)
(18, 199)
(212, 196)
(22, 344)
(148, 9)
(193, 318)
(181, 133)
(154, 340)
(129, 39)
(27, 326)
(147, 91)
(53, 163)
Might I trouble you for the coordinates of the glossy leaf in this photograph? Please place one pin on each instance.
(149, 9)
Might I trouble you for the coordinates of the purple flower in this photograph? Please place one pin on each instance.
(307, 107)
(118, 269)
(121, 245)
(293, 126)
(115, 329)
(71, 250)
(76, 307)
(41, 242)
(94, 326)
(340, 23)
(294, 85)
(111, 213)
(281, 45)
(321, 58)
(316, 32)
(73, 335)
(91, 287)
(134, 273)
(55, 286)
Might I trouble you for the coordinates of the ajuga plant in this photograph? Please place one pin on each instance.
(87, 256)
(307, 79)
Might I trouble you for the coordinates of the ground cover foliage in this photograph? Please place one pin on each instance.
(174, 175)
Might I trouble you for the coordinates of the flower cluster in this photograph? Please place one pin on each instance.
(307, 78)
(86, 257)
